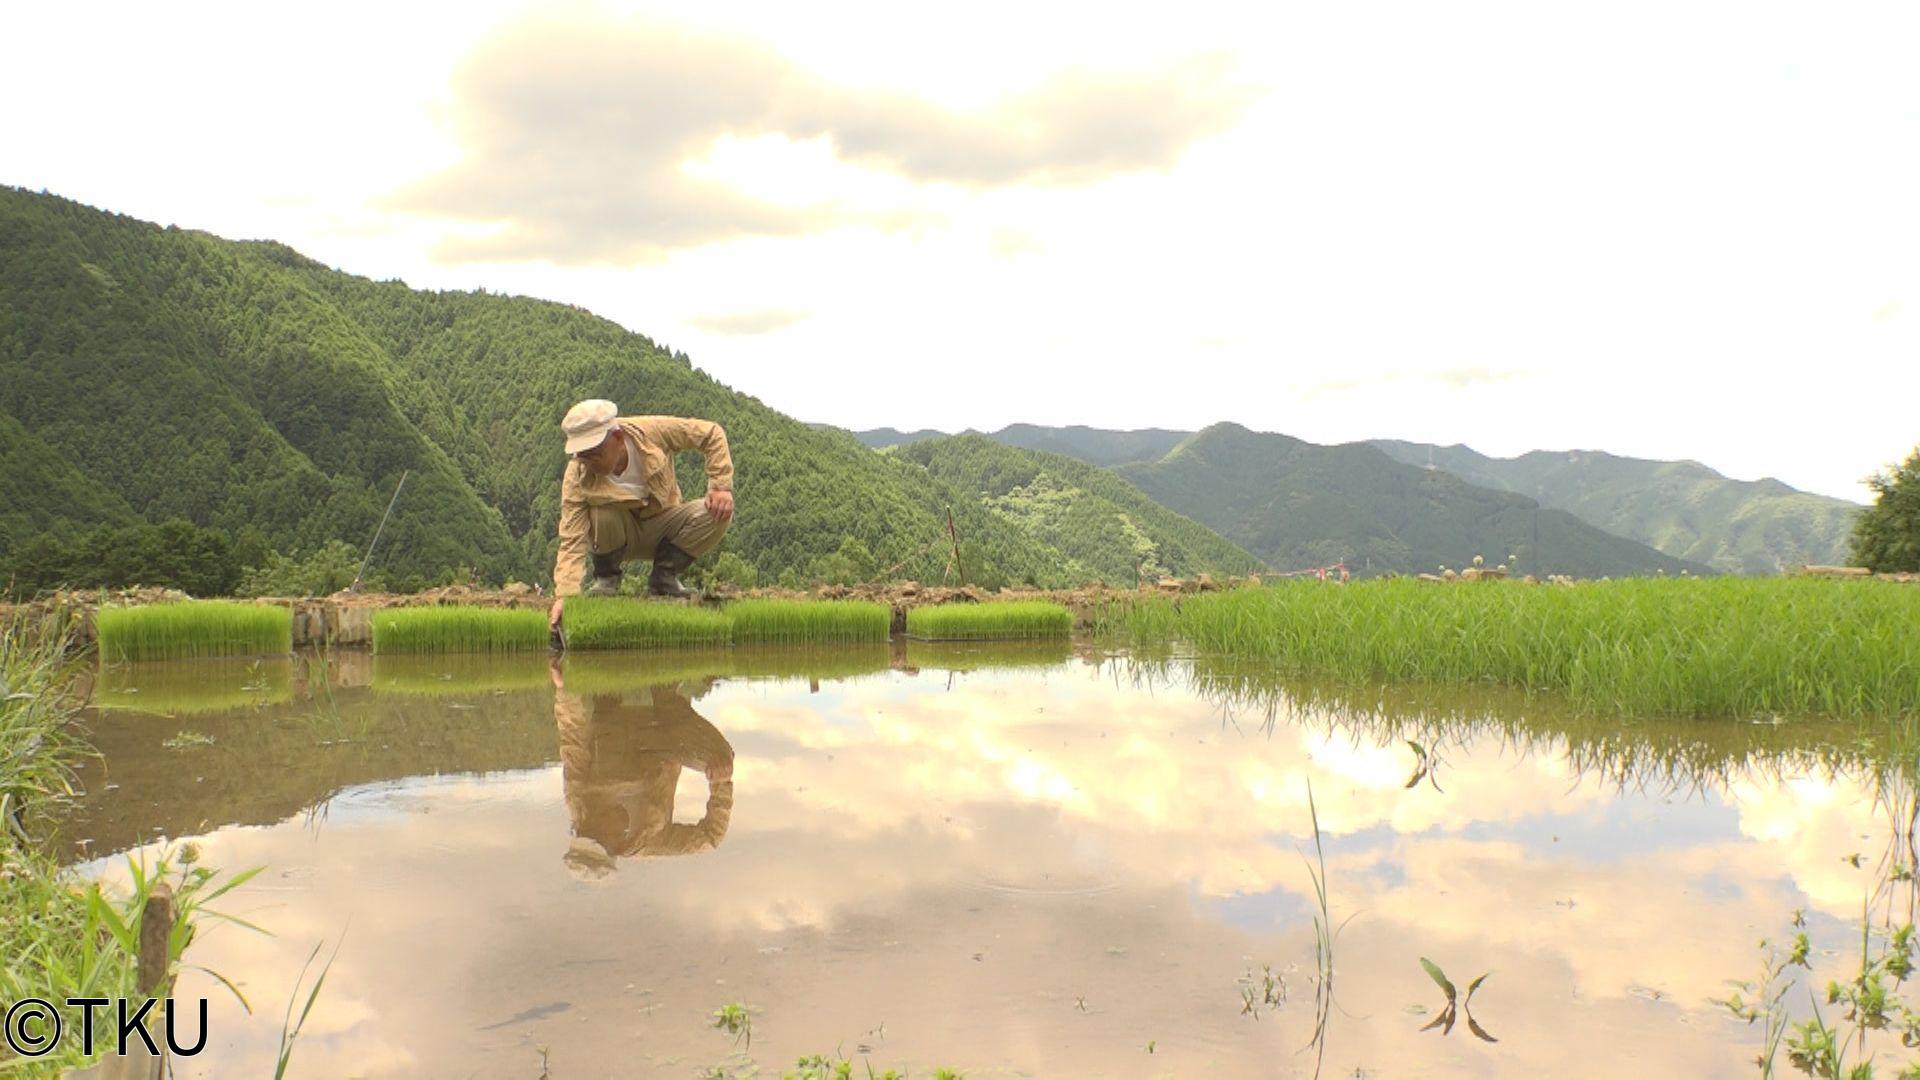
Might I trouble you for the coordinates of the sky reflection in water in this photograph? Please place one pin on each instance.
(1021, 871)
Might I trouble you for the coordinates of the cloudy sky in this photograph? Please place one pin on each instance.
(1664, 229)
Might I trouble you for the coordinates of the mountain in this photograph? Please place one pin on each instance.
(1108, 528)
(156, 374)
(1095, 446)
(1297, 505)
(1681, 508)
(881, 438)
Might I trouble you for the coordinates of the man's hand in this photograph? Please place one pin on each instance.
(553, 614)
(720, 504)
(720, 771)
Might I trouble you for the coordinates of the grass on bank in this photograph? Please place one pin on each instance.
(615, 623)
(1725, 647)
(458, 629)
(38, 742)
(992, 621)
(809, 621)
(193, 628)
(65, 937)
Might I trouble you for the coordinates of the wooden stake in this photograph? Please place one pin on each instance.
(953, 535)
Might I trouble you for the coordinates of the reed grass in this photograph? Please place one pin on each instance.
(193, 628)
(37, 739)
(64, 937)
(67, 938)
(808, 621)
(458, 629)
(992, 621)
(1725, 647)
(618, 623)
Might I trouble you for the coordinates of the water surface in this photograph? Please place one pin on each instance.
(1011, 862)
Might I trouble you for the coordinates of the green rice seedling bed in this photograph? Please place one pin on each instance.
(997, 620)
(618, 623)
(1724, 647)
(809, 621)
(193, 628)
(458, 629)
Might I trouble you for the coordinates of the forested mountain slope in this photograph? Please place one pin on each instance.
(1297, 504)
(237, 385)
(1682, 508)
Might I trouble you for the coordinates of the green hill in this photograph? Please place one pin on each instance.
(1681, 508)
(1108, 528)
(1297, 505)
(234, 385)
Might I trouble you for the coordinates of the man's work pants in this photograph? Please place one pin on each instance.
(689, 526)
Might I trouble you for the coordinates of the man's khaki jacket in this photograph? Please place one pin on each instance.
(655, 439)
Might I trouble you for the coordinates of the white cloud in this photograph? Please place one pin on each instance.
(1683, 232)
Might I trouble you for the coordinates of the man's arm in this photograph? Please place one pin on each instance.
(676, 433)
(570, 563)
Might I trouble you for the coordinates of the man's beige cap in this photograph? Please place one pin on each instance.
(588, 423)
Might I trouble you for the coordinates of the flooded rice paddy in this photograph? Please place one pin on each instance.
(1009, 861)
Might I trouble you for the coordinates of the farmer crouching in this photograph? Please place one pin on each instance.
(620, 502)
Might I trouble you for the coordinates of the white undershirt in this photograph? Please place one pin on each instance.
(632, 481)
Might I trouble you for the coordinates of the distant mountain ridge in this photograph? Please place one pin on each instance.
(1682, 508)
(1298, 505)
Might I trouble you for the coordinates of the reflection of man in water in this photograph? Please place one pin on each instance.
(620, 762)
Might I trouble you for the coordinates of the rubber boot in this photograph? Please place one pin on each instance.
(668, 561)
(606, 575)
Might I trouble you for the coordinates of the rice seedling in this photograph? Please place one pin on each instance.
(1456, 1003)
(290, 1027)
(458, 629)
(1325, 934)
(807, 621)
(1723, 647)
(994, 620)
(193, 628)
(736, 1020)
(616, 623)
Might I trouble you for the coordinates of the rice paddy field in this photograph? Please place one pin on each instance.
(1726, 647)
(193, 628)
(1050, 858)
